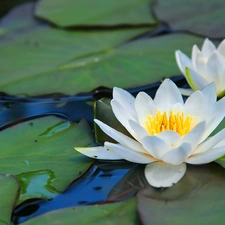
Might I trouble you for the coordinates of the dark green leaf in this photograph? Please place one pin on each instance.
(66, 13)
(201, 17)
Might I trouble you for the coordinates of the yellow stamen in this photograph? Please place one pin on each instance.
(174, 121)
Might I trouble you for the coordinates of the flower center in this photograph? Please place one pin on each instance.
(174, 121)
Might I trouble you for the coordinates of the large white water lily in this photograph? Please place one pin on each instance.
(204, 67)
(167, 133)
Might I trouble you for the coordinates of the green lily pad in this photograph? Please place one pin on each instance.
(9, 187)
(204, 18)
(115, 213)
(131, 65)
(66, 13)
(198, 196)
(44, 50)
(40, 154)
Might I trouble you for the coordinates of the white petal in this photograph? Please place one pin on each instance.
(128, 154)
(208, 48)
(125, 99)
(186, 91)
(196, 80)
(196, 99)
(195, 51)
(209, 94)
(215, 68)
(216, 112)
(178, 107)
(221, 143)
(144, 106)
(123, 116)
(172, 138)
(183, 61)
(221, 48)
(120, 137)
(167, 95)
(158, 145)
(161, 174)
(155, 146)
(178, 155)
(210, 143)
(195, 135)
(206, 108)
(138, 129)
(100, 152)
(200, 63)
(207, 157)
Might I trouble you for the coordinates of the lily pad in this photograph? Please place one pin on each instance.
(206, 18)
(9, 187)
(198, 196)
(66, 13)
(40, 154)
(115, 213)
(131, 65)
(44, 50)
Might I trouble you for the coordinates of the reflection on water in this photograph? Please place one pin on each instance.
(101, 182)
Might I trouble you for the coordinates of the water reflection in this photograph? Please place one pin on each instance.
(101, 182)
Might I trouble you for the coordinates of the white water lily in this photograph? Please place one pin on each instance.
(167, 133)
(204, 67)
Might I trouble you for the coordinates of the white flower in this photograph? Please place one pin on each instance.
(204, 67)
(167, 133)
